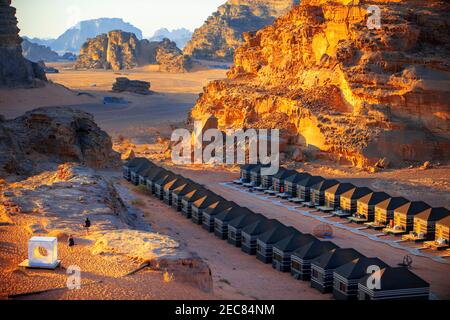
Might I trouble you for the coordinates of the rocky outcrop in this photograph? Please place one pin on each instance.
(14, 69)
(171, 59)
(222, 32)
(44, 136)
(119, 50)
(339, 89)
(179, 36)
(123, 84)
(35, 52)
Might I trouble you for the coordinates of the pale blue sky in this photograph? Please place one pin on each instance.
(50, 18)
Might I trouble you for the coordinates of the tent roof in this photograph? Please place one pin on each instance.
(314, 249)
(356, 269)
(310, 181)
(340, 188)
(356, 193)
(233, 213)
(296, 177)
(433, 214)
(136, 162)
(257, 168)
(143, 167)
(397, 279)
(207, 200)
(185, 189)
(262, 225)
(295, 242)
(336, 258)
(412, 208)
(325, 184)
(196, 194)
(444, 222)
(166, 177)
(277, 234)
(284, 173)
(155, 173)
(220, 207)
(374, 198)
(175, 182)
(392, 203)
(245, 220)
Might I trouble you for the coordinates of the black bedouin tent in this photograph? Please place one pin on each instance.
(222, 220)
(255, 175)
(279, 179)
(404, 217)
(210, 213)
(333, 195)
(301, 258)
(190, 198)
(179, 193)
(349, 200)
(425, 223)
(235, 227)
(265, 241)
(138, 170)
(131, 164)
(245, 172)
(282, 250)
(177, 182)
(152, 176)
(290, 183)
(323, 267)
(384, 211)
(304, 187)
(346, 277)
(318, 191)
(250, 233)
(198, 206)
(365, 206)
(393, 284)
(160, 183)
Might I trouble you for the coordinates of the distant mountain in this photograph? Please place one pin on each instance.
(73, 39)
(42, 42)
(36, 52)
(179, 36)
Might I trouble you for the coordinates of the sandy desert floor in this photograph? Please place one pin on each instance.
(174, 95)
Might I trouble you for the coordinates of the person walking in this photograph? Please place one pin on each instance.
(71, 241)
(87, 225)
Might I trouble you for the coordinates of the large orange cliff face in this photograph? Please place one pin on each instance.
(332, 84)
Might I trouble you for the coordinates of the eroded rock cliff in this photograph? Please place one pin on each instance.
(45, 136)
(342, 90)
(171, 59)
(15, 70)
(222, 32)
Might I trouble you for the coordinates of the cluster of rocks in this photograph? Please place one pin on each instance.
(222, 32)
(353, 94)
(171, 59)
(45, 136)
(123, 84)
(120, 50)
(15, 70)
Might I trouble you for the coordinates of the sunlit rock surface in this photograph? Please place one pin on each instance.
(341, 90)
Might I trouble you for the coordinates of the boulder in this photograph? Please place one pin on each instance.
(53, 135)
(123, 84)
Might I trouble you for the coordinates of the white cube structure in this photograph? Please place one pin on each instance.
(43, 252)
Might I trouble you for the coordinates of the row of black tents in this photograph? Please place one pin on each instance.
(342, 271)
(414, 220)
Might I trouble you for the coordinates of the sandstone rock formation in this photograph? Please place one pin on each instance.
(342, 90)
(35, 52)
(123, 84)
(53, 135)
(119, 50)
(171, 59)
(14, 69)
(222, 32)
